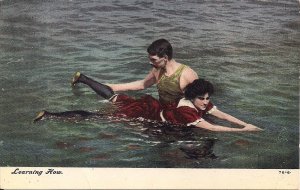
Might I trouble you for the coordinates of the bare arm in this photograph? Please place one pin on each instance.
(221, 115)
(208, 126)
(224, 116)
(148, 81)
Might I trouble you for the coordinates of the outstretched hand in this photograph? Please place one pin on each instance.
(250, 127)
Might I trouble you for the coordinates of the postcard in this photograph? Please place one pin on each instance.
(149, 94)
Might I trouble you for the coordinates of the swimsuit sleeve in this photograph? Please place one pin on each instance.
(210, 108)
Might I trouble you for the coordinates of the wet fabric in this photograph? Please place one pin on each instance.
(185, 114)
(148, 107)
(101, 89)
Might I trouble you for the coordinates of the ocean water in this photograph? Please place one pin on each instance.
(249, 49)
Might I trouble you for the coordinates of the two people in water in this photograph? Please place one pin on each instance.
(183, 98)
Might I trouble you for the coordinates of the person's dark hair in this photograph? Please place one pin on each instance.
(161, 48)
(198, 87)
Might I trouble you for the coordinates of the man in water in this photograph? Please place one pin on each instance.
(170, 76)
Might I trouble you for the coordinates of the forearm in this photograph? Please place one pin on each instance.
(211, 127)
(148, 81)
(235, 120)
(220, 128)
(227, 117)
(136, 85)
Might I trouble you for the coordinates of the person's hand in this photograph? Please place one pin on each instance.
(250, 127)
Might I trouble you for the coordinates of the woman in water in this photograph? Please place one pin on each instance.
(196, 104)
(189, 111)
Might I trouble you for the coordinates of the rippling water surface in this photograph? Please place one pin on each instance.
(249, 49)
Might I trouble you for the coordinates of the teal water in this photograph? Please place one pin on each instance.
(248, 49)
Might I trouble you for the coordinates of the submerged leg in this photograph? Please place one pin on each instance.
(101, 89)
(77, 114)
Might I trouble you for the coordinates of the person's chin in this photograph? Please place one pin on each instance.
(202, 108)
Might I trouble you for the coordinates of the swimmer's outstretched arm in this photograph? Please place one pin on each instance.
(224, 116)
(148, 81)
(211, 127)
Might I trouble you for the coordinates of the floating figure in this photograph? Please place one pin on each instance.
(189, 111)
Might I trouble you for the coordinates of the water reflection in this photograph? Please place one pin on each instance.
(193, 145)
(202, 150)
(179, 141)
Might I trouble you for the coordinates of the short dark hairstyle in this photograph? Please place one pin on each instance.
(198, 87)
(161, 48)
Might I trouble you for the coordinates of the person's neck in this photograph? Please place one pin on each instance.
(171, 67)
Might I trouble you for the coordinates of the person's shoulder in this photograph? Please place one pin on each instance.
(188, 72)
(211, 108)
(186, 103)
(155, 72)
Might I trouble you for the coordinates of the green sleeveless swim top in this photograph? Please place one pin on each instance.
(169, 88)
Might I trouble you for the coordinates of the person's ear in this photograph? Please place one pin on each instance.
(166, 57)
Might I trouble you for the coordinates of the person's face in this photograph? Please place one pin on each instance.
(157, 62)
(201, 101)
